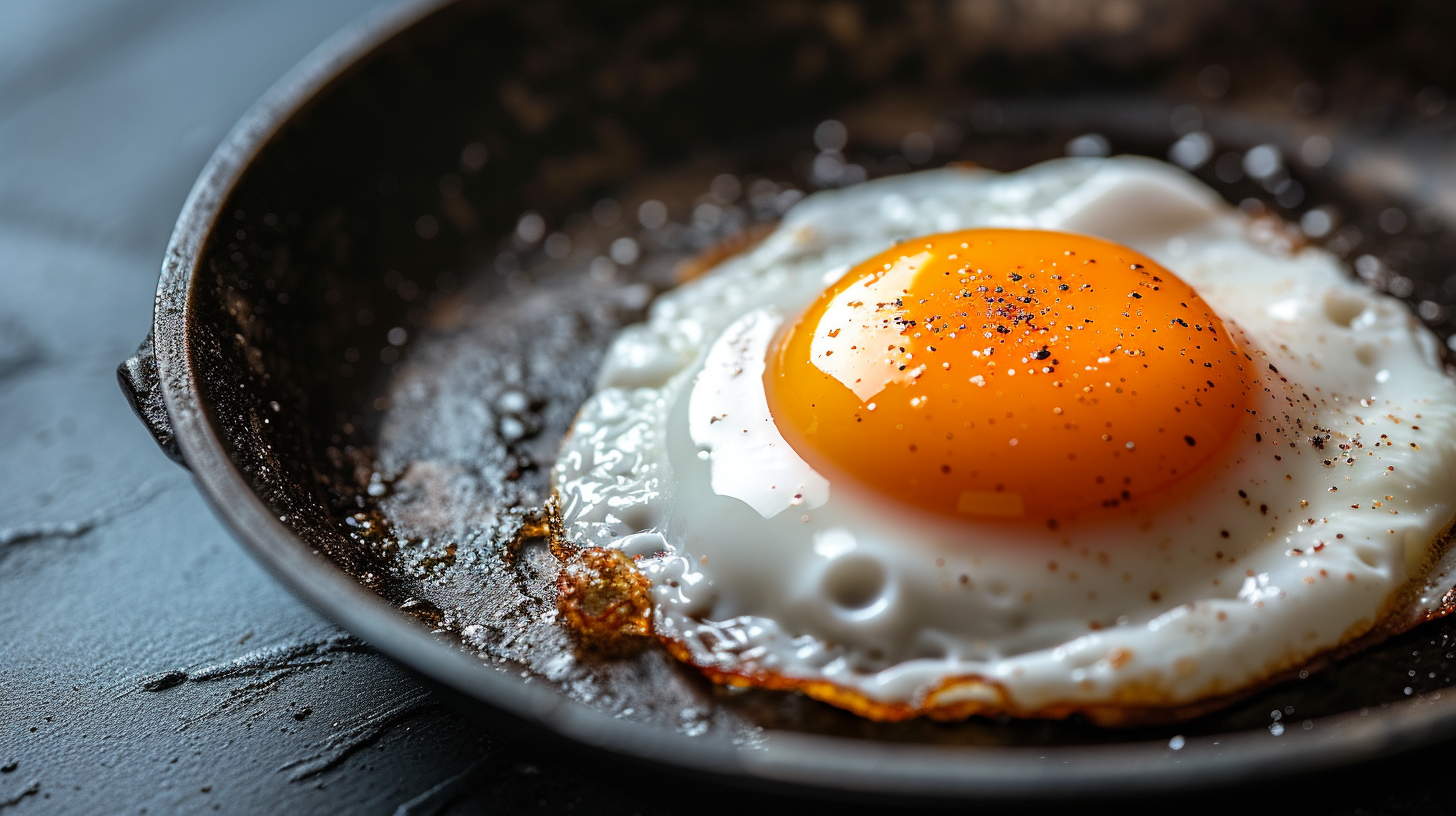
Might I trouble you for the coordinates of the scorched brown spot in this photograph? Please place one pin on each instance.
(605, 600)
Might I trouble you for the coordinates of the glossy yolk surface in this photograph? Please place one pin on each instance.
(1008, 374)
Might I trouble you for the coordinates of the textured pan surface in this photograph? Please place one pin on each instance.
(375, 373)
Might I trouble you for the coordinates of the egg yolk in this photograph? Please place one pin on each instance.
(1008, 374)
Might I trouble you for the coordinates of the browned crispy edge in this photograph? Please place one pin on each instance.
(627, 616)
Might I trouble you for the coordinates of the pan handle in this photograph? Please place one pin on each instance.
(142, 386)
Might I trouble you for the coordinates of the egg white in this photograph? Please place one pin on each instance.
(760, 567)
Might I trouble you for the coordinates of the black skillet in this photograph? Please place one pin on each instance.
(367, 358)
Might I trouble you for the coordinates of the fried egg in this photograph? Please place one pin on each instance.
(1069, 439)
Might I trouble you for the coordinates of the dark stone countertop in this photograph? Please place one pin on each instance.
(147, 664)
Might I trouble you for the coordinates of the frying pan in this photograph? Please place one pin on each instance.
(387, 294)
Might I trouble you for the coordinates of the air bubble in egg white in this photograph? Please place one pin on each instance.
(1430, 311)
(931, 645)
(1401, 286)
(857, 584)
(1343, 307)
(1192, 151)
(397, 336)
(1089, 145)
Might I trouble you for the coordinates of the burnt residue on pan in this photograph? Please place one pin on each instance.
(408, 295)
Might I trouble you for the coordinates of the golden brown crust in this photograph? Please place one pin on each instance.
(604, 599)
(948, 702)
(1140, 704)
(607, 601)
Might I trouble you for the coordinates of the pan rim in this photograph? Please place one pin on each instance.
(791, 759)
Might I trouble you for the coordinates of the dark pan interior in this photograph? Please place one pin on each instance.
(393, 366)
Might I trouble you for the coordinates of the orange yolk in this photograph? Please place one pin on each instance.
(1008, 374)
